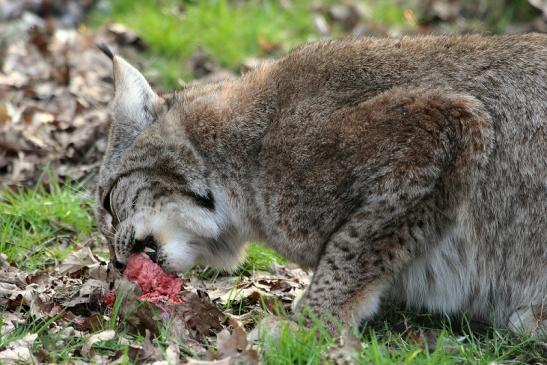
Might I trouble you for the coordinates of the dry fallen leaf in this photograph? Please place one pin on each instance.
(77, 260)
(18, 351)
(284, 284)
(199, 314)
(235, 345)
(148, 352)
(139, 316)
(9, 321)
(233, 348)
(87, 350)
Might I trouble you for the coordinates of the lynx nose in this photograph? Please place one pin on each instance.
(147, 245)
(120, 266)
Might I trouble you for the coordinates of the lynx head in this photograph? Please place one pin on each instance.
(154, 191)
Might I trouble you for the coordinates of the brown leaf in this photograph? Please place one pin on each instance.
(267, 45)
(235, 346)
(148, 352)
(12, 275)
(78, 260)
(94, 287)
(10, 321)
(4, 115)
(93, 323)
(40, 308)
(40, 278)
(423, 337)
(139, 316)
(87, 350)
(180, 334)
(199, 314)
(284, 283)
(18, 351)
(56, 114)
(126, 37)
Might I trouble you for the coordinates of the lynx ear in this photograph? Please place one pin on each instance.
(134, 108)
(135, 104)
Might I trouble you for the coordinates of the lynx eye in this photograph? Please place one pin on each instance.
(107, 205)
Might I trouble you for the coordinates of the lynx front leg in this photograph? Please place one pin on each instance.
(427, 151)
(358, 265)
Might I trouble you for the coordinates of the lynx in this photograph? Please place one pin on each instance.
(408, 170)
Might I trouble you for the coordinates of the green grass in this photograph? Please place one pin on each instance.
(46, 340)
(39, 226)
(229, 31)
(260, 258)
(295, 346)
(57, 343)
(437, 342)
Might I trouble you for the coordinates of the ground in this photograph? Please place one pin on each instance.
(55, 285)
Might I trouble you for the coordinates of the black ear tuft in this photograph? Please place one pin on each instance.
(104, 48)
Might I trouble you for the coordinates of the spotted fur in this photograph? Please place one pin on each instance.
(410, 170)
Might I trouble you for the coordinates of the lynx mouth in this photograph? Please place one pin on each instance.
(147, 245)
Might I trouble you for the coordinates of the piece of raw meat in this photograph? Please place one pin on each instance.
(155, 283)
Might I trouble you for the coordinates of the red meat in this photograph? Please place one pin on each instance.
(109, 298)
(156, 284)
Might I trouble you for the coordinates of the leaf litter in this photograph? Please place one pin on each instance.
(71, 296)
(52, 105)
(54, 90)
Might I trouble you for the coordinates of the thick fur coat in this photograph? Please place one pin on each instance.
(410, 170)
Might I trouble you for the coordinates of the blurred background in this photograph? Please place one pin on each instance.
(55, 85)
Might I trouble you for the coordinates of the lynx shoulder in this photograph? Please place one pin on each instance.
(410, 170)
